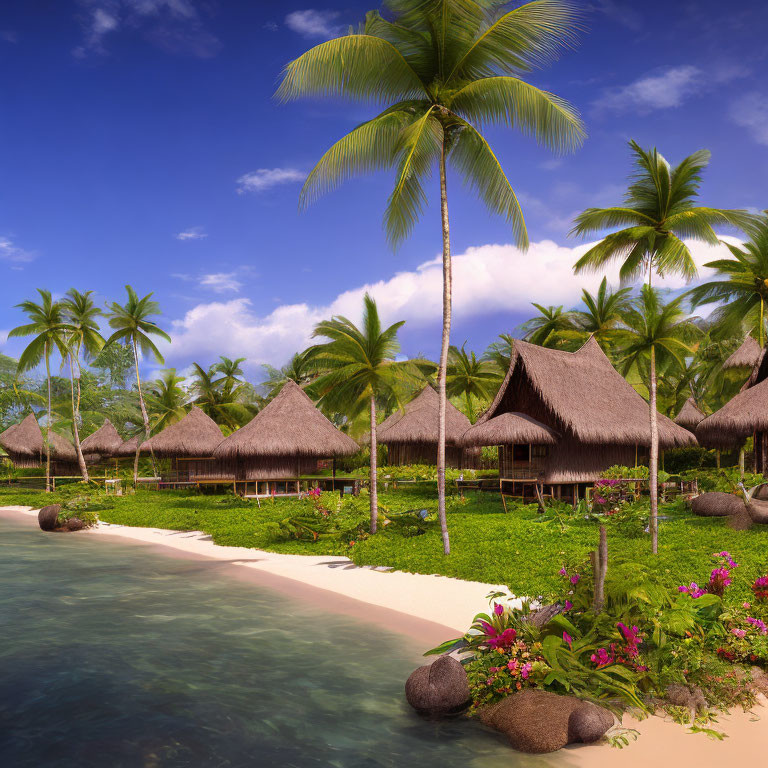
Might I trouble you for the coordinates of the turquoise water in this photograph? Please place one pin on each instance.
(114, 655)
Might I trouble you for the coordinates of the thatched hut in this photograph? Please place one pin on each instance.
(283, 441)
(690, 415)
(746, 356)
(127, 449)
(598, 416)
(410, 433)
(190, 444)
(101, 444)
(25, 445)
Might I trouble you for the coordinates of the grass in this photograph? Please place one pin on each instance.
(515, 549)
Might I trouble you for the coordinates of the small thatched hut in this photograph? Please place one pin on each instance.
(598, 417)
(283, 441)
(746, 356)
(25, 445)
(690, 415)
(190, 444)
(101, 444)
(410, 434)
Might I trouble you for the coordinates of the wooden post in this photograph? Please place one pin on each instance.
(599, 561)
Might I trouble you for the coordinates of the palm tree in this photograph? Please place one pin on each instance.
(50, 330)
(742, 290)
(661, 334)
(167, 399)
(602, 313)
(499, 355)
(219, 401)
(359, 367)
(301, 368)
(230, 370)
(80, 313)
(550, 327)
(441, 69)
(469, 377)
(132, 325)
(659, 209)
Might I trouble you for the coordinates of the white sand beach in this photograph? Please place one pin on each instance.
(431, 609)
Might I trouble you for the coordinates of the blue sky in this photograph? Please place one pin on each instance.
(140, 143)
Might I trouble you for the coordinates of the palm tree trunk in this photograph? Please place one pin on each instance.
(761, 332)
(145, 417)
(75, 416)
(48, 424)
(654, 458)
(374, 459)
(469, 407)
(447, 288)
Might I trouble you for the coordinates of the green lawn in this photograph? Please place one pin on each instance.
(487, 545)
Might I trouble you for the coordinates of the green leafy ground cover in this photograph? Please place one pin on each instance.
(517, 549)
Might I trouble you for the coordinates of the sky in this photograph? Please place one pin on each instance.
(140, 143)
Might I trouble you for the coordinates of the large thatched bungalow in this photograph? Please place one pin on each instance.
(101, 444)
(690, 415)
(189, 444)
(746, 356)
(25, 445)
(282, 442)
(574, 416)
(410, 434)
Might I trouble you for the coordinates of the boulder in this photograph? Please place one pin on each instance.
(48, 517)
(758, 511)
(440, 688)
(690, 697)
(537, 721)
(74, 524)
(740, 521)
(717, 504)
(760, 493)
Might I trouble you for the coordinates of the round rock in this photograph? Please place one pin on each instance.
(717, 504)
(440, 688)
(74, 524)
(48, 517)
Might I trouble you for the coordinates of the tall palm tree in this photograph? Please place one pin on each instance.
(219, 401)
(659, 210)
(602, 313)
(359, 367)
(50, 330)
(499, 355)
(81, 314)
(550, 327)
(442, 69)
(742, 290)
(167, 399)
(231, 372)
(468, 377)
(133, 325)
(660, 334)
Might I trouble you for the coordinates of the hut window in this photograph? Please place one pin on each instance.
(539, 451)
(521, 453)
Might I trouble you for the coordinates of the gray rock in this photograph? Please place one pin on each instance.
(758, 511)
(537, 721)
(48, 517)
(717, 504)
(690, 697)
(440, 688)
(74, 524)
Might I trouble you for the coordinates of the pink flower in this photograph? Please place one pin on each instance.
(568, 639)
(739, 632)
(758, 624)
(512, 665)
(498, 639)
(602, 658)
(745, 605)
(498, 609)
(575, 578)
(568, 605)
(563, 572)
(526, 670)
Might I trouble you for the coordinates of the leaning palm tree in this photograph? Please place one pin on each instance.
(550, 328)
(443, 69)
(468, 377)
(742, 290)
(50, 330)
(132, 325)
(84, 336)
(602, 313)
(659, 210)
(167, 400)
(359, 367)
(661, 335)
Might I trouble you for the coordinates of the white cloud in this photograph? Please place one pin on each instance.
(751, 112)
(488, 279)
(663, 90)
(313, 23)
(12, 253)
(266, 178)
(193, 233)
(221, 282)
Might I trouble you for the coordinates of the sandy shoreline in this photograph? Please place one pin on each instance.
(429, 609)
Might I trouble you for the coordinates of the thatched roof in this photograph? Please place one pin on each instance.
(746, 356)
(128, 448)
(582, 395)
(196, 435)
(104, 441)
(510, 429)
(416, 422)
(742, 415)
(290, 425)
(690, 415)
(26, 440)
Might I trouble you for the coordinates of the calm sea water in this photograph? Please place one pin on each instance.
(113, 655)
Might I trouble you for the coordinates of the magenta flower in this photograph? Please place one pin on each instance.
(496, 639)
(567, 639)
(563, 572)
(526, 670)
(575, 578)
(602, 658)
(568, 605)
(739, 632)
(758, 624)
(693, 589)
(498, 609)
(512, 665)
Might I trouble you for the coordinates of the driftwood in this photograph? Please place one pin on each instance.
(599, 560)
